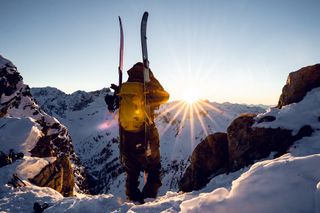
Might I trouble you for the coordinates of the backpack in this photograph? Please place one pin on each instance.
(132, 113)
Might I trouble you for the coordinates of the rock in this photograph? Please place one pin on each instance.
(10, 77)
(304, 131)
(238, 133)
(209, 159)
(241, 146)
(58, 176)
(247, 143)
(267, 118)
(53, 144)
(53, 141)
(298, 84)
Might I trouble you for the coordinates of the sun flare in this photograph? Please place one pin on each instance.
(191, 96)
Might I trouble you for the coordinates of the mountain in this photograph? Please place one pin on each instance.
(95, 133)
(272, 181)
(26, 128)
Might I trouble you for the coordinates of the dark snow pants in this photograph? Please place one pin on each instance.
(134, 160)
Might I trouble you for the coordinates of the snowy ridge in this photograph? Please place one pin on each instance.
(23, 124)
(57, 103)
(308, 109)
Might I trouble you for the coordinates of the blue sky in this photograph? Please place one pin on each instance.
(237, 51)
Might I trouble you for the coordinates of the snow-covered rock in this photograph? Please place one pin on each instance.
(251, 137)
(24, 127)
(29, 134)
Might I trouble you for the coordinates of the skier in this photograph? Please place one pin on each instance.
(139, 137)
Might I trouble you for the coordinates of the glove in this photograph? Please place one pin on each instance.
(112, 101)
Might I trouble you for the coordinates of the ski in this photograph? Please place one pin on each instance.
(113, 100)
(146, 77)
(145, 59)
(120, 68)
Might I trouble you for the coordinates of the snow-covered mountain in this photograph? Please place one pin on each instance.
(285, 183)
(95, 133)
(26, 128)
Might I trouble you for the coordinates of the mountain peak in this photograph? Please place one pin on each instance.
(42, 135)
(5, 62)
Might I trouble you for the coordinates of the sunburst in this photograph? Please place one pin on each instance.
(192, 112)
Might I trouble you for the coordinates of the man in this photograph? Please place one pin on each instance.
(139, 141)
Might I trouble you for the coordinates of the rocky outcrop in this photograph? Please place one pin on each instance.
(247, 138)
(247, 143)
(54, 142)
(209, 158)
(58, 176)
(239, 147)
(298, 84)
(17, 101)
(9, 78)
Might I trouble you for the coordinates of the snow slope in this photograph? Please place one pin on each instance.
(265, 187)
(24, 141)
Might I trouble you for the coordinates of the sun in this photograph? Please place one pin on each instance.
(191, 96)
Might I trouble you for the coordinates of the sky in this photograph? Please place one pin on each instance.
(238, 51)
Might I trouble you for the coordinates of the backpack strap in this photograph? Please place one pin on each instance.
(148, 119)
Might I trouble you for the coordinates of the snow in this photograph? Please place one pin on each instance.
(31, 166)
(266, 188)
(307, 145)
(308, 110)
(22, 199)
(4, 62)
(25, 168)
(290, 183)
(26, 107)
(20, 134)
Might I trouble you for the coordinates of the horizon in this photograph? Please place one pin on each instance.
(236, 52)
(170, 101)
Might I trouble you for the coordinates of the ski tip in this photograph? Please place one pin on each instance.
(145, 13)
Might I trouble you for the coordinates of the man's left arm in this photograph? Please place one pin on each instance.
(156, 95)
